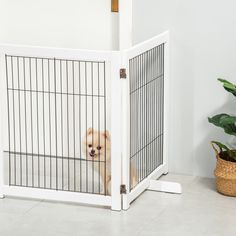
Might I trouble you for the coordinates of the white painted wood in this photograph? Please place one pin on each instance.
(125, 130)
(147, 45)
(142, 186)
(167, 105)
(125, 23)
(164, 186)
(118, 103)
(60, 53)
(163, 169)
(115, 98)
(3, 120)
(64, 196)
(112, 60)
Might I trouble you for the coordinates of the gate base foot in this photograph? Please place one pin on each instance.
(164, 186)
(2, 196)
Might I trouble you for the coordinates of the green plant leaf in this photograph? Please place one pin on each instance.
(225, 122)
(228, 86)
(221, 146)
(231, 154)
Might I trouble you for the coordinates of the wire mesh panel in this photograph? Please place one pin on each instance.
(57, 122)
(146, 72)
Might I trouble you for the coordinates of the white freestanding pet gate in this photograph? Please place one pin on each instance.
(50, 98)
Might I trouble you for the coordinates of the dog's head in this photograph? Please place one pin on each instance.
(97, 145)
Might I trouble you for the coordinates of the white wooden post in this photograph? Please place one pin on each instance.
(125, 134)
(116, 124)
(3, 119)
(125, 23)
(125, 42)
(167, 94)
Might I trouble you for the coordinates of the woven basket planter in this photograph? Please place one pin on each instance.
(225, 174)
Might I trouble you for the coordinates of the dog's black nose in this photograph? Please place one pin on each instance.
(92, 151)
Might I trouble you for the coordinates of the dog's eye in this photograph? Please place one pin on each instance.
(99, 148)
(90, 145)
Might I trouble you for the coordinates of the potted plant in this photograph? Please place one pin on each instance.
(225, 171)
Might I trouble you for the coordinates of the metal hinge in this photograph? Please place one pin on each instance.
(123, 189)
(123, 73)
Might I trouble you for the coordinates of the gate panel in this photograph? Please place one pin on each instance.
(146, 104)
(52, 103)
(59, 123)
(146, 113)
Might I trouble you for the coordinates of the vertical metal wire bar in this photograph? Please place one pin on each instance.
(81, 175)
(148, 113)
(49, 119)
(162, 100)
(160, 96)
(141, 155)
(133, 85)
(73, 81)
(31, 116)
(68, 132)
(145, 114)
(62, 143)
(140, 116)
(55, 91)
(92, 127)
(134, 118)
(135, 68)
(159, 100)
(37, 108)
(138, 111)
(44, 143)
(154, 110)
(14, 133)
(26, 130)
(86, 125)
(13, 107)
(158, 107)
(151, 112)
(130, 110)
(19, 110)
(99, 163)
(130, 121)
(130, 117)
(163, 86)
(8, 112)
(144, 88)
(151, 127)
(105, 113)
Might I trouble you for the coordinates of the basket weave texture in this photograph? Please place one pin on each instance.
(225, 174)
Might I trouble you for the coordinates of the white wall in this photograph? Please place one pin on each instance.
(86, 24)
(203, 37)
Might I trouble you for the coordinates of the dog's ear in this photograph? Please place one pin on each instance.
(89, 131)
(106, 134)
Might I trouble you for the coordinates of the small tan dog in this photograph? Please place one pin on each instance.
(97, 148)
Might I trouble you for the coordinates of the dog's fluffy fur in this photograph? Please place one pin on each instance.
(97, 147)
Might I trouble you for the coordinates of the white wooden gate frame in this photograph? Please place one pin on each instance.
(119, 100)
(150, 182)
